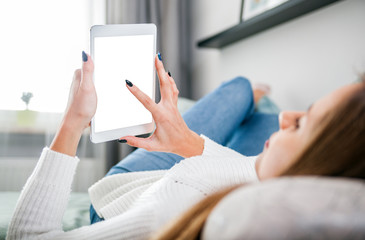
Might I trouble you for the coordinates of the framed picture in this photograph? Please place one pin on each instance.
(252, 8)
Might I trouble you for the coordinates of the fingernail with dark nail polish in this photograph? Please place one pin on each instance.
(122, 140)
(169, 73)
(129, 83)
(84, 56)
(159, 56)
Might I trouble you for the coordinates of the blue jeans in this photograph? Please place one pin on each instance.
(226, 116)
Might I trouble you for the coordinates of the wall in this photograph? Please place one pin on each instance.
(302, 59)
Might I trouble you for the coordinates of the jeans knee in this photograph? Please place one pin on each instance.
(240, 85)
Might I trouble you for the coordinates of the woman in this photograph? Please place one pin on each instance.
(209, 167)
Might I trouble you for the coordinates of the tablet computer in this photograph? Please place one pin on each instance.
(120, 52)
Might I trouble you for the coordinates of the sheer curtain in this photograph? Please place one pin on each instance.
(41, 45)
(172, 18)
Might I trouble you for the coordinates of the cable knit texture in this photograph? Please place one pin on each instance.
(134, 205)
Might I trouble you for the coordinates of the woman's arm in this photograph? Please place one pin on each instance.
(171, 134)
(44, 197)
(42, 203)
(80, 109)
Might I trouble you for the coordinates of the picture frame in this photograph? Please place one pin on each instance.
(252, 8)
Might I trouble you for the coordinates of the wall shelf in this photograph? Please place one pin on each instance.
(284, 12)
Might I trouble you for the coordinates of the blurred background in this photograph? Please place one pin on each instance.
(42, 40)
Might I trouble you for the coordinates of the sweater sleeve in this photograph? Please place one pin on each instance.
(44, 197)
(214, 149)
(43, 200)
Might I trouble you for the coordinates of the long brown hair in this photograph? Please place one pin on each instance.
(190, 224)
(337, 149)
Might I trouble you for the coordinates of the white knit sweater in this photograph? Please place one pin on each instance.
(134, 205)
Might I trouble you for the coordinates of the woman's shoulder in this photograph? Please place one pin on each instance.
(215, 170)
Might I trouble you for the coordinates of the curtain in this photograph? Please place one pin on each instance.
(174, 42)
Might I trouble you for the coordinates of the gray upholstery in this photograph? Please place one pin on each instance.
(291, 208)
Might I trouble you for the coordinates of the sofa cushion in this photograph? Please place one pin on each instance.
(291, 208)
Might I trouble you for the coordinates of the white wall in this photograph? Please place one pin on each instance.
(302, 59)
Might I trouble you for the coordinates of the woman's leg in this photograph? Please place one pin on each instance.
(217, 115)
(249, 138)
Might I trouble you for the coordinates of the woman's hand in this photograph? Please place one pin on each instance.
(171, 134)
(82, 99)
(80, 109)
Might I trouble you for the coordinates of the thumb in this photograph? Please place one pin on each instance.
(87, 69)
(137, 142)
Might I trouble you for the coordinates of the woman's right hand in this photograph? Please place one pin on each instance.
(171, 134)
(80, 109)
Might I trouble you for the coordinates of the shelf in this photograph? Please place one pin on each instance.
(280, 14)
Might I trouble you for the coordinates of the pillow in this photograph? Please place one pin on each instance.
(291, 208)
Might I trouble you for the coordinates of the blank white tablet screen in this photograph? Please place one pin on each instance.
(117, 59)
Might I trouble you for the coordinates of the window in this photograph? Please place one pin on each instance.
(40, 47)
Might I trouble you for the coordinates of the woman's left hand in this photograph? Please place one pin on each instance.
(171, 134)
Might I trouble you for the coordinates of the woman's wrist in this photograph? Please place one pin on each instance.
(67, 137)
(193, 145)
